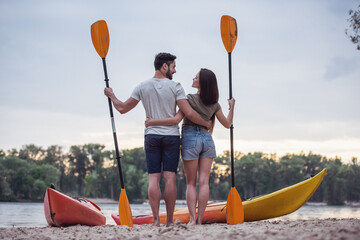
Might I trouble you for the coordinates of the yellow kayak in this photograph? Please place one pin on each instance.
(283, 201)
(276, 204)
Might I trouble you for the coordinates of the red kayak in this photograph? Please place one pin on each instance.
(62, 210)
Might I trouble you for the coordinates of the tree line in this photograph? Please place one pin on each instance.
(91, 171)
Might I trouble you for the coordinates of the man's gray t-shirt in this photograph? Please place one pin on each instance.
(159, 96)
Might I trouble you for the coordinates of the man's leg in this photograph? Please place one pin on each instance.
(170, 158)
(154, 194)
(153, 164)
(170, 194)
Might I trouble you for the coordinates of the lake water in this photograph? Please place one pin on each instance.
(32, 214)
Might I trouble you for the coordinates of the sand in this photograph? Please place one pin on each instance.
(298, 229)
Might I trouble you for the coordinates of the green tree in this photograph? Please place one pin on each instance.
(335, 182)
(314, 163)
(353, 32)
(32, 152)
(181, 181)
(13, 152)
(90, 181)
(96, 155)
(47, 174)
(6, 193)
(2, 153)
(292, 169)
(353, 181)
(135, 156)
(39, 188)
(79, 166)
(111, 184)
(132, 179)
(18, 175)
(220, 178)
(134, 168)
(89, 169)
(55, 156)
(256, 174)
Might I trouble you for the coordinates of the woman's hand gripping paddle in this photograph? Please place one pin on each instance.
(101, 40)
(234, 207)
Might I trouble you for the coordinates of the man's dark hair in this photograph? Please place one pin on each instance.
(209, 93)
(162, 58)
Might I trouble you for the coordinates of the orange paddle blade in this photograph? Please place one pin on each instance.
(234, 208)
(125, 214)
(100, 37)
(228, 29)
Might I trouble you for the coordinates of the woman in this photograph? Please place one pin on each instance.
(197, 145)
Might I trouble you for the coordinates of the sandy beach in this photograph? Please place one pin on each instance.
(298, 229)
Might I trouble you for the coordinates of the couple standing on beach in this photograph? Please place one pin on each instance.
(160, 96)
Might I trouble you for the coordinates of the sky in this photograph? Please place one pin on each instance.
(296, 75)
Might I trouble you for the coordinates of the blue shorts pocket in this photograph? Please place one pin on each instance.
(209, 141)
(188, 142)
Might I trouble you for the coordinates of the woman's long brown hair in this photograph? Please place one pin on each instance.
(209, 92)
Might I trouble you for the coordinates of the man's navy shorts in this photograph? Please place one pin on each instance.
(162, 151)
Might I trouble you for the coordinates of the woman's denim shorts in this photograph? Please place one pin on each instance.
(196, 143)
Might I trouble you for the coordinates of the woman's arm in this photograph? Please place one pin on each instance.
(226, 121)
(191, 114)
(165, 121)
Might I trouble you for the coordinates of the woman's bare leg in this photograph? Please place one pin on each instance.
(190, 168)
(204, 173)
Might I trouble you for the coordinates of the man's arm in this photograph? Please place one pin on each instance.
(191, 114)
(122, 107)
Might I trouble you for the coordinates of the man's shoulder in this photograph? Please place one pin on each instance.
(145, 83)
(171, 82)
(149, 80)
(159, 80)
(175, 86)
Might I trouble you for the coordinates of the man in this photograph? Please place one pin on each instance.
(160, 96)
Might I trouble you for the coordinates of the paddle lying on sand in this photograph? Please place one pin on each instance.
(235, 210)
(100, 38)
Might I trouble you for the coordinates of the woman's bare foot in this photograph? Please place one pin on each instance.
(156, 222)
(169, 223)
(193, 222)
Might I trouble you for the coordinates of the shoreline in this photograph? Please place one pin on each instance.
(178, 201)
(288, 229)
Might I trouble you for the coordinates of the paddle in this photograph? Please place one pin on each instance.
(235, 210)
(101, 40)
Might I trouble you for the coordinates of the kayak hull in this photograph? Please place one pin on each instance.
(62, 210)
(276, 204)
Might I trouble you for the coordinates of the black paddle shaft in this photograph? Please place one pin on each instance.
(113, 126)
(231, 129)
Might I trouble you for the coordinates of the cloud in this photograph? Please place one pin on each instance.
(339, 67)
(346, 148)
(295, 73)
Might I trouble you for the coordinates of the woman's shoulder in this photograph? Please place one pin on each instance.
(193, 96)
